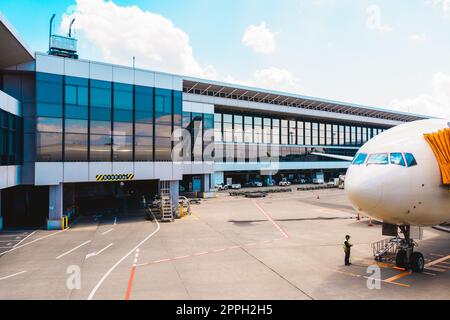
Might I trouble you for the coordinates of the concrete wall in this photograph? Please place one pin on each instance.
(9, 104)
(106, 72)
(54, 173)
(10, 176)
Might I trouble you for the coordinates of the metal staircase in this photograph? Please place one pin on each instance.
(166, 203)
(386, 250)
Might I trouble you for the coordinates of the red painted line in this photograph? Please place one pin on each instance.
(130, 283)
(271, 220)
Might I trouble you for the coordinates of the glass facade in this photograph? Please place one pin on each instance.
(236, 128)
(89, 120)
(11, 145)
(200, 127)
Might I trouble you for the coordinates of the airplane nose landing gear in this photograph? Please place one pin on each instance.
(406, 257)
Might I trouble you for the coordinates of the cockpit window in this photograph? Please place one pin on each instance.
(379, 158)
(397, 158)
(410, 160)
(360, 159)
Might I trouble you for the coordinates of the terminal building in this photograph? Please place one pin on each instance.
(94, 136)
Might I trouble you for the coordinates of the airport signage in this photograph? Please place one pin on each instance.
(114, 177)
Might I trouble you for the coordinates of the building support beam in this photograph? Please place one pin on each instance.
(174, 193)
(55, 207)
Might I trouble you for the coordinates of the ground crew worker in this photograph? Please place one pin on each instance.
(347, 248)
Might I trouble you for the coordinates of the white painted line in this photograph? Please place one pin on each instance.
(72, 250)
(106, 275)
(437, 261)
(26, 238)
(13, 275)
(106, 232)
(35, 240)
(9, 241)
(94, 254)
(435, 269)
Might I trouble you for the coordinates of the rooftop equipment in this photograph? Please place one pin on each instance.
(60, 45)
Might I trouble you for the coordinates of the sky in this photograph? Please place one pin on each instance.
(381, 53)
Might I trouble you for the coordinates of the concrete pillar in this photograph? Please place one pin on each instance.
(206, 183)
(269, 180)
(1, 217)
(55, 207)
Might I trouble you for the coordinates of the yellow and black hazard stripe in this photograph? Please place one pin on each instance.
(114, 177)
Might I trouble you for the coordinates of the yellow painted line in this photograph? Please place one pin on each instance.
(400, 284)
(366, 262)
(399, 276)
(436, 269)
(437, 261)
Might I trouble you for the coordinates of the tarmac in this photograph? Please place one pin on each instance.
(284, 246)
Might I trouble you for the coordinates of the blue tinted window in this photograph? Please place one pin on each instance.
(360, 158)
(410, 160)
(397, 159)
(144, 98)
(100, 127)
(76, 126)
(49, 124)
(49, 110)
(144, 117)
(49, 147)
(76, 112)
(49, 92)
(100, 98)
(144, 148)
(123, 128)
(100, 148)
(76, 147)
(71, 95)
(83, 96)
(123, 96)
(381, 158)
(123, 148)
(100, 114)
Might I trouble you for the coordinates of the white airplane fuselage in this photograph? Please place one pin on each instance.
(399, 194)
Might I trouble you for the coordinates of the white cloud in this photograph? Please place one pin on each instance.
(436, 103)
(260, 39)
(375, 21)
(119, 33)
(271, 78)
(444, 4)
(418, 38)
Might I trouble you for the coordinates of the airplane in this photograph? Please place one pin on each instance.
(396, 178)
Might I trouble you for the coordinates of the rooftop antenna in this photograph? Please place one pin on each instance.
(70, 27)
(51, 31)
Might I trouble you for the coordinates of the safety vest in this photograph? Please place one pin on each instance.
(344, 246)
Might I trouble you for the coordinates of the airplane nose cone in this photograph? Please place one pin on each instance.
(363, 192)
